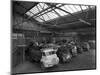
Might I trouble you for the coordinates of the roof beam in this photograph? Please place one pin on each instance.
(87, 14)
(70, 8)
(31, 7)
(46, 14)
(48, 11)
(42, 11)
(29, 11)
(23, 6)
(82, 10)
(39, 11)
(55, 13)
(80, 19)
(75, 7)
(74, 22)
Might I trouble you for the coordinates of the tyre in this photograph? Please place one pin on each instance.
(66, 58)
(79, 50)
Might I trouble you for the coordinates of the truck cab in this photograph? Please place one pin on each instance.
(49, 57)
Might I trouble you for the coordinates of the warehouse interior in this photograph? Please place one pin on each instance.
(56, 23)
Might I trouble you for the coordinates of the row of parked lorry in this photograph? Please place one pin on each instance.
(52, 54)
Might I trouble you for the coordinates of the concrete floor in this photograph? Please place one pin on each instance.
(86, 60)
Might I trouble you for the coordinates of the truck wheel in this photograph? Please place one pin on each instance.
(66, 60)
(79, 50)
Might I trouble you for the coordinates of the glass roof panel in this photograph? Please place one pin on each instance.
(60, 12)
(45, 17)
(72, 8)
(34, 10)
(38, 19)
(41, 13)
(41, 17)
(68, 9)
(43, 5)
(38, 8)
(49, 16)
(77, 7)
(52, 14)
(29, 14)
(83, 7)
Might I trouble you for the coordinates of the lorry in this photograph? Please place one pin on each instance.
(64, 54)
(49, 57)
(45, 55)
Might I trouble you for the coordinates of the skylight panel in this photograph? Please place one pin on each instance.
(29, 14)
(68, 9)
(49, 16)
(72, 8)
(38, 19)
(43, 13)
(61, 12)
(39, 7)
(83, 7)
(45, 17)
(52, 15)
(34, 10)
(77, 7)
(41, 17)
(43, 5)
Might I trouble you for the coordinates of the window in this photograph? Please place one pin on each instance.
(17, 35)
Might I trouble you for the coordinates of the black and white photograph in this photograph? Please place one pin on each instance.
(52, 37)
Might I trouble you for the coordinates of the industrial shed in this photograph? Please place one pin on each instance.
(43, 23)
